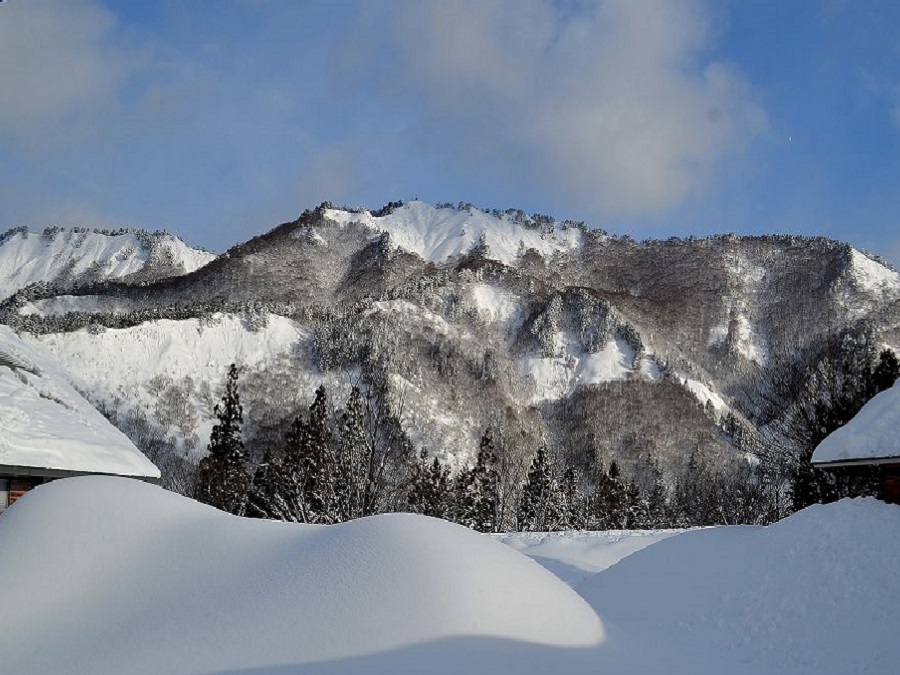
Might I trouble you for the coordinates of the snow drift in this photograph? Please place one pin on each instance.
(814, 593)
(115, 576)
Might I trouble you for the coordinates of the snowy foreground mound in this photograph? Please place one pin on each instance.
(114, 576)
(110, 576)
(815, 593)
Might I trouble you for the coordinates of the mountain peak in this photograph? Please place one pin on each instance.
(442, 232)
(71, 257)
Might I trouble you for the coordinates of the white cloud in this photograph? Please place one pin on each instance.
(610, 104)
(54, 60)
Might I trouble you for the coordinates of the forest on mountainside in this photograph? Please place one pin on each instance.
(675, 375)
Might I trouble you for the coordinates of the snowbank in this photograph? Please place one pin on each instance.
(815, 593)
(872, 434)
(115, 576)
(47, 424)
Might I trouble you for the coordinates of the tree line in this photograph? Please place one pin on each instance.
(336, 463)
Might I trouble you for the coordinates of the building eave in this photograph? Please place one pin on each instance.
(861, 461)
(19, 471)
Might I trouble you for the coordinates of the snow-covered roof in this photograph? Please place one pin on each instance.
(46, 424)
(870, 437)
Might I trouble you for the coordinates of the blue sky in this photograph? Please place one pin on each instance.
(220, 120)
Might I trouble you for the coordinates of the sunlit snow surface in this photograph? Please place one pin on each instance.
(871, 275)
(113, 576)
(45, 423)
(28, 258)
(438, 234)
(121, 362)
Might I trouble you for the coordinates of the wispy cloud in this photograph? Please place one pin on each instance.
(56, 61)
(612, 105)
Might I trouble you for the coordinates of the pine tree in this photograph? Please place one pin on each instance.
(638, 516)
(478, 488)
(616, 498)
(353, 462)
(571, 505)
(320, 463)
(657, 507)
(222, 476)
(535, 503)
(430, 487)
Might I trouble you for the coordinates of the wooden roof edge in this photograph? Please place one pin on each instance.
(856, 461)
(17, 471)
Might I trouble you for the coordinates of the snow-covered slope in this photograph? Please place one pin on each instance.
(74, 256)
(111, 576)
(873, 276)
(871, 435)
(118, 365)
(439, 234)
(45, 423)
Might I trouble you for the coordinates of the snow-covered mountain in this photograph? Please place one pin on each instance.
(66, 258)
(597, 345)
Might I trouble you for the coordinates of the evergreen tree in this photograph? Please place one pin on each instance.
(657, 506)
(478, 488)
(353, 463)
(638, 516)
(222, 476)
(616, 505)
(536, 497)
(606, 505)
(320, 463)
(430, 487)
(571, 511)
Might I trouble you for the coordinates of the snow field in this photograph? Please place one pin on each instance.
(814, 593)
(115, 576)
(871, 275)
(577, 556)
(557, 377)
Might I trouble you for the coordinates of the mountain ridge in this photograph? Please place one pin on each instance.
(663, 343)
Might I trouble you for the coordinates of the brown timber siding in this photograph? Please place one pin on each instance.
(891, 483)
